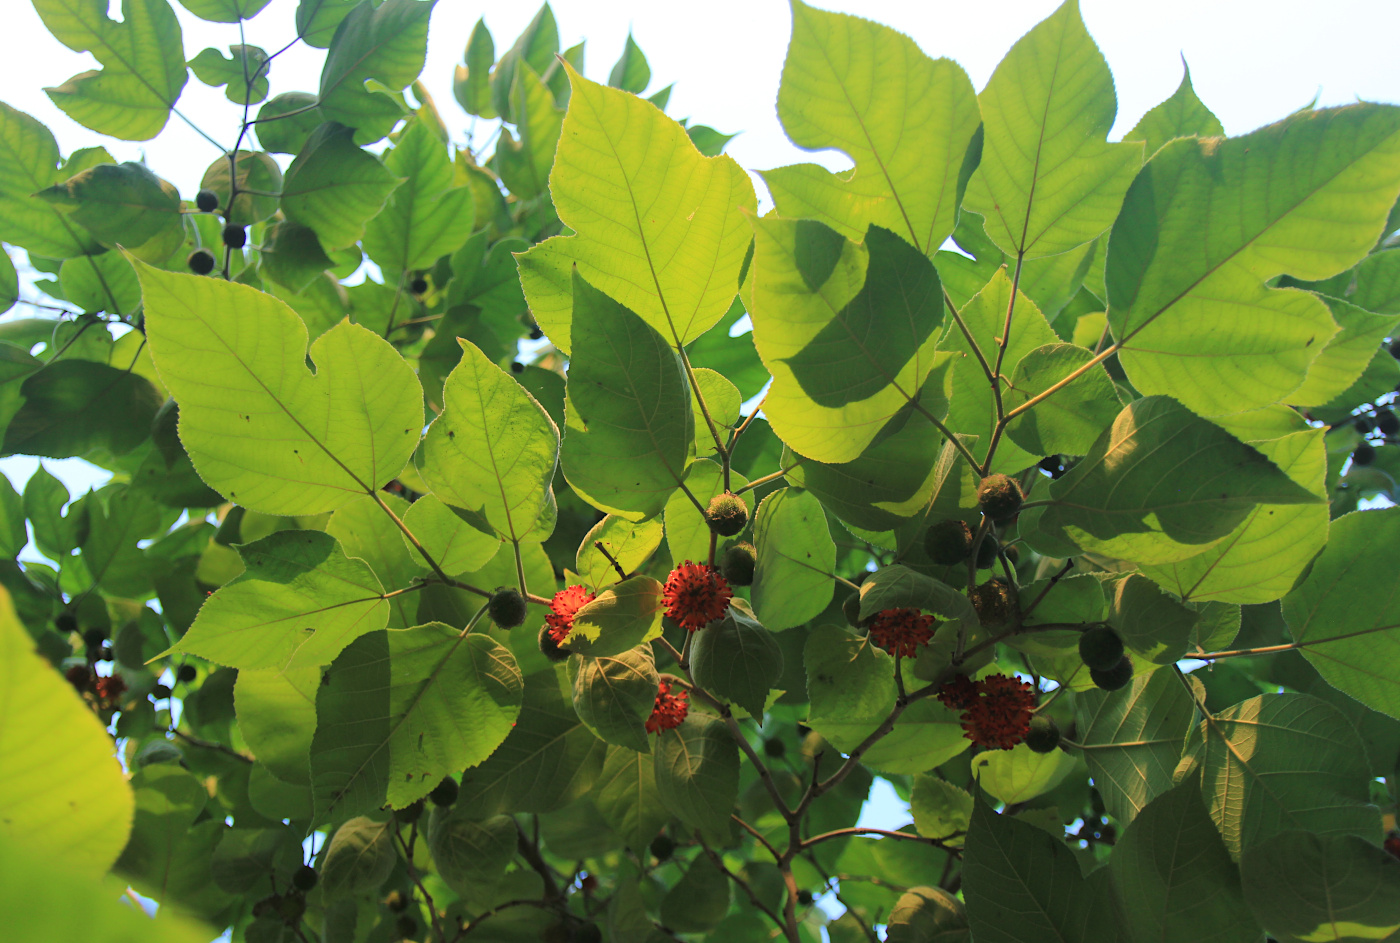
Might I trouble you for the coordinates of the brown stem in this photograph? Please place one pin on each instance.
(743, 884)
(418, 882)
(621, 573)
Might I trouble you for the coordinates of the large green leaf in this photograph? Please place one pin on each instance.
(627, 410)
(359, 856)
(699, 900)
(365, 532)
(908, 122)
(1048, 181)
(697, 772)
(1279, 762)
(118, 203)
(737, 659)
(387, 44)
(1150, 622)
(549, 758)
(847, 329)
(493, 449)
(225, 11)
(1347, 354)
(470, 855)
(796, 557)
(402, 709)
(457, 542)
(927, 915)
(658, 226)
(28, 164)
(1132, 739)
(524, 164)
(299, 601)
(143, 65)
(1020, 774)
(62, 789)
(1344, 613)
(1181, 115)
(629, 544)
(1128, 499)
(1175, 877)
(619, 619)
(260, 427)
(614, 695)
(1262, 558)
(1209, 222)
(626, 797)
(277, 716)
(335, 187)
(1022, 885)
(426, 217)
(1069, 421)
(1309, 888)
(82, 408)
(169, 855)
(471, 82)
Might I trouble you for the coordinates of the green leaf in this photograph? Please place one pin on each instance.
(493, 449)
(697, 772)
(299, 601)
(792, 579)
(426, 217)
(103, 282)
(359, 858)
(630, 544)
(1175, 877)
(468, 853)
(849, 684)
(848, 331)
(548, 760)
(9, 282)
(1181, 115)
(402, 709)
(1150, 622)
(1343, 613)
(367, 533)
(1048, 181)
(631, 72)
(940, 809)
(291, 255)
(927, 915)
(628, 407)
(28, 164)
(537, 46)
(13, 535)
(524, 165)
(118, 517)
(386, 44)
(244, 72)
(317, 20)
(1051, 282)
(619, 619)
(627, 798)
(334, 187)
(1132, 739)
(1127, 499)
(1020, 774)
(909, 123)
(699, 900)
(1305, 888)
(78, 408)
(225, 11)
(1068, 422)
(687, 533)
(143, 65)
(248, 857)
(255, 171)
(658, 226)
(614, 695)
(458, 544)
(285, 121)
(1263, 557)
(1022, 885)
(737, 659)
(1200, 235)
(1279, 762)
(471, 82)
(276, 711)
(260, 427)
(123, 203)
(1346, 355)
(64, 795)
(896, 586)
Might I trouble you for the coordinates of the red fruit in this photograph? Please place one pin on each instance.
(1392, 844)
(696, 595)
(669, 710)
(566, 604)
(901, 631)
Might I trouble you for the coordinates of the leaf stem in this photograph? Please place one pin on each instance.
(767, 478)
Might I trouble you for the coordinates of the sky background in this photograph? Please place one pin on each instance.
(1251, 62)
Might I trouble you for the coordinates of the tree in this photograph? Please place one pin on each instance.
(506, 590)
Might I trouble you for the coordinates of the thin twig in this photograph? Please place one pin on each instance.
(743, 884)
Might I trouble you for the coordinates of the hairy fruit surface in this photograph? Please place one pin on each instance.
(999, 497)
(506, 607)
(695, 595)
(727, 514)
(948, 543)
(737, 564)
(1100, 647)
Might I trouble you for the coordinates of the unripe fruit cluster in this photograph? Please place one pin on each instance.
(727, 514)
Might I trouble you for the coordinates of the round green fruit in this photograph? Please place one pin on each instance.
(444, 793)
(727, 514)
(506, 607)
(550, 648)
(206, 201)
(305, 878)
(999, 497)
(201, 261)
(992, 600)
(186, 674)
(410, 813)
(418, 285)
(1364, 454)
(235, 236)
(1100, 647)
(663, 846)
(1115, 677)
(775, 748)
(737, 564)
(948, 543)
(1044, 735)
(987, 552)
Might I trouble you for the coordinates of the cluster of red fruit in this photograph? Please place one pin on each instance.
(996, 710)
(901, 631)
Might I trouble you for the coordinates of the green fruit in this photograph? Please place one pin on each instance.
(1387, 422)
(1100, 647)
(948, 543)
(444, 793)
(851, 609)
(396, 901)
(737, 564)
(1115, 677)
(727, 514)
(992, 600)
(804, 898)
(186, 674)
(663, 846)
(550, 648)
(206, 201)
(201, 261)
(1364, 455)
(66, 622)
(506, 607)
(409, 813)
(305, 878)
(999, 497)
(418, 285)
(235, 237)
(987, 553)
(1044, 735)
(587, 933)
(774, 748)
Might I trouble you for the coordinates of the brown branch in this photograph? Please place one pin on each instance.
(743, 884)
